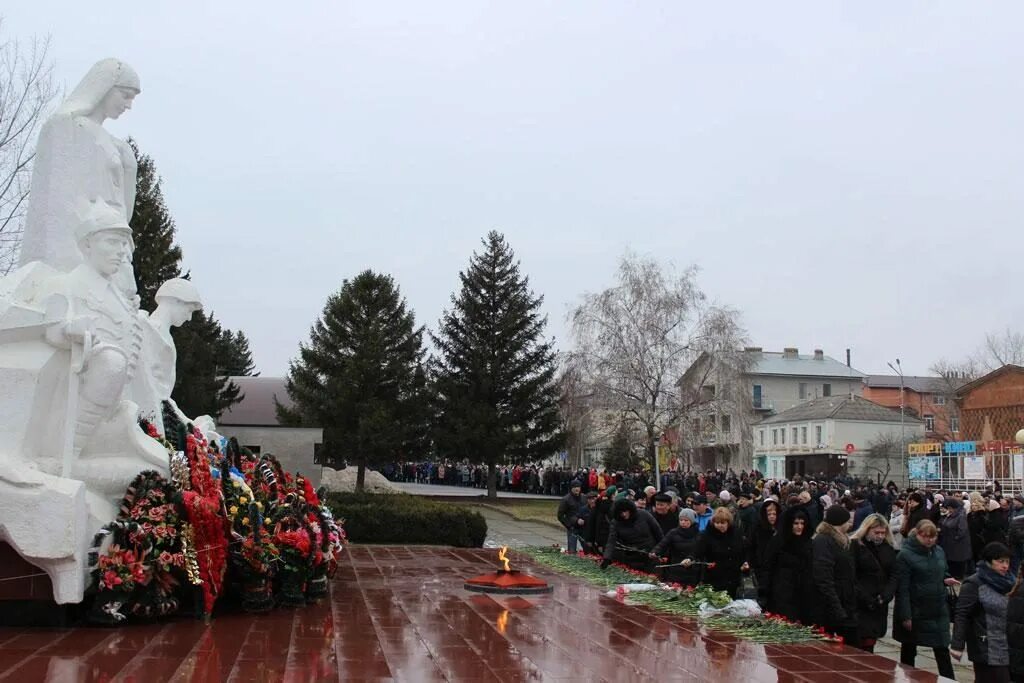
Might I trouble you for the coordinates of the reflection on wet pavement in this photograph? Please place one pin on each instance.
(401, 614)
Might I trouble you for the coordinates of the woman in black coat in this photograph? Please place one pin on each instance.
(760, 537)
(835, 592)
(914, 512)
(721, 546)
(874, 559)
(787, 585)
(633, 535)
(678, 545)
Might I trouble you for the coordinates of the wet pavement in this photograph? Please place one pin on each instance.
(503, 529)
(401, 614)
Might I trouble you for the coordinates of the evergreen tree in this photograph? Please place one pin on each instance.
(202, 385)
(494, 378)
(361, 377)
(207, 354)
(157, 258)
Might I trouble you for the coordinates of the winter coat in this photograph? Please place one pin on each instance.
(1015, 634)
(727, 552)
(569, 511)
(746, 520)
(912, 518)
(896, 526)
(759, 540)
(832, 568)
(861, 513)
(921, 595)
(596, 530)
(876, 585)
(640, 531)
(667, 521)
(785, 585)
(981, 618)
(678, 545)
(976, 522)
(955, 537)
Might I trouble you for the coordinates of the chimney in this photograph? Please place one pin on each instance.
(819, 354)
(848, 358)
(790, 352)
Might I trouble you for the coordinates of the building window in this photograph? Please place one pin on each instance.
(794, 436)
(826, 389)
(803, 390)
(939, 399)
(803, 435)
(757, 395)
(929, 423)
(761, 435)
(954, 424)
(783, 431)
(726, 424)
(775, 437)
(817, 436)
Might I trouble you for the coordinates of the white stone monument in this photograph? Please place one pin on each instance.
(76, 354)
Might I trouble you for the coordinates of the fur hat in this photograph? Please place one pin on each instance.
(837, 515)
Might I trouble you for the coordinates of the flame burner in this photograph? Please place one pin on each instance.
(507, 581)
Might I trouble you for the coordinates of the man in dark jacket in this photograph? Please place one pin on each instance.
(662, 513)
(955, 538)
(746, 514)
(834, 576)
(863, 508)
(632, 536)
(569, 514)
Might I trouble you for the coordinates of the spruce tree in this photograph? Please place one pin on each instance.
(494, 376)
(157, 258)
(361, 377)
(207, 353)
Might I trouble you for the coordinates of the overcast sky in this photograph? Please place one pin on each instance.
(848, 175)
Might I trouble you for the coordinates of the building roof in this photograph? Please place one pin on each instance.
(256, 408)
(849, 408)
(922, 385)
(971, 386)
(800, 365)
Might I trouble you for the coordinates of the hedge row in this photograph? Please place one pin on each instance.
(401, 518)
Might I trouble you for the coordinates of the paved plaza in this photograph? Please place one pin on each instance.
(438, 491)
(401, 614)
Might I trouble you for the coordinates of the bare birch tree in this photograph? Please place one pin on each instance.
(27, 90)
(634, 340)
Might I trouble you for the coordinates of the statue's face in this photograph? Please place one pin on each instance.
(118, 101)
(179, 312)
(106, 250)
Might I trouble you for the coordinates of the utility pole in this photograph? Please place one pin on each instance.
(903, 441)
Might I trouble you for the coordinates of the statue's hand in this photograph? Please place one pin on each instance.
(76, 328)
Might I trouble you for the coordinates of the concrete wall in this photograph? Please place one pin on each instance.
(783, 392)
(293, 446)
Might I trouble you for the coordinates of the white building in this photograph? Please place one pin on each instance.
(831, 435)
(768, 383)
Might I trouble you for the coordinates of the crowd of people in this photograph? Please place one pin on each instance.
(842, 555)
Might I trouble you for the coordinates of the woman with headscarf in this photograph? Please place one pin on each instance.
(77, 161)
(981, 616)
(921, 615)
(832, 567)
(785, 584)
(914, 513)
(760, 537)
(873, 558)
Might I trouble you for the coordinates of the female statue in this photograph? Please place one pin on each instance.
(78, 162)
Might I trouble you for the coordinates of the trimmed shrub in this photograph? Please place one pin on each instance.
(401, 518)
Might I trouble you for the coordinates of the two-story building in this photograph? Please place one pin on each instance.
(930, 398)
(833, 435)
(733, 395)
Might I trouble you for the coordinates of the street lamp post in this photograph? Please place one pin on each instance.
(903, 443)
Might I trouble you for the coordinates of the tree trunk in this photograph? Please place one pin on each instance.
(492, 481)
(360, 476)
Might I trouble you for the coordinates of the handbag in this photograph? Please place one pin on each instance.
(748, 587)
(952, 595)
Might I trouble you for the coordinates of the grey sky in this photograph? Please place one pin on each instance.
(846, 174)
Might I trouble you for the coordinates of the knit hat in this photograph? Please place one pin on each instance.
(725, 496)
(993, 505)
(837, 515)
(688, 514)
(610, 492)
(650, 491)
